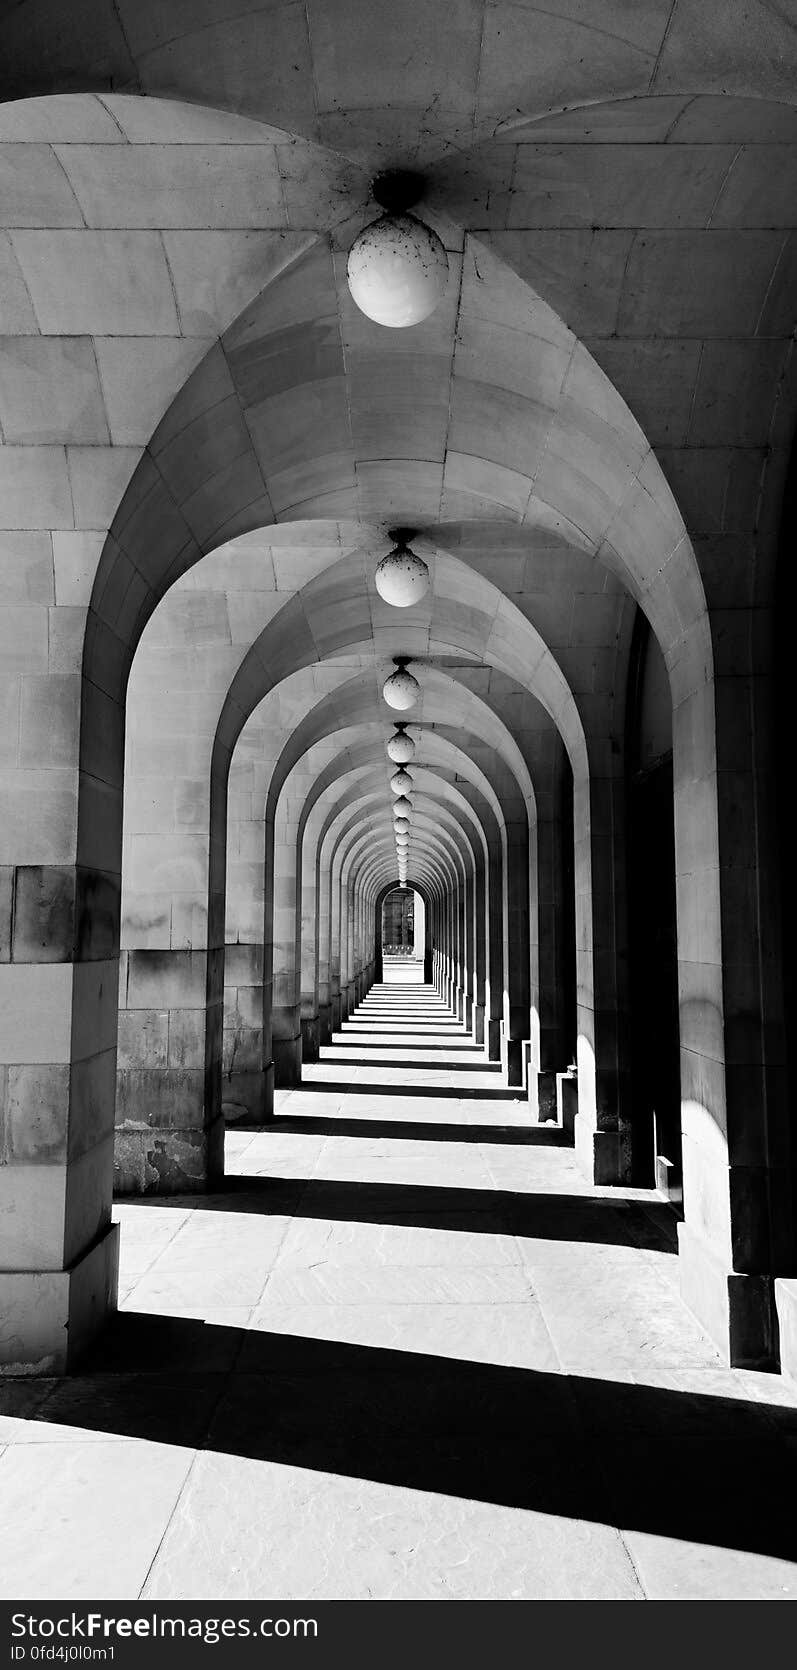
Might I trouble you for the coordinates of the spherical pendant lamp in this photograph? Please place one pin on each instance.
(402, 807)
(402, 578)
(401, 781)
(401, 690)
(401, 748)
(397, 271)
(402, 825)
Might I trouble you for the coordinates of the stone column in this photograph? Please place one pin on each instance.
(285, 1015)
(737, 1124)
(60, 863)
(335, 946)
(550, 915)
(480, 952)
(470, 900)
(516, 904)
(603, 1122)
(58, 995)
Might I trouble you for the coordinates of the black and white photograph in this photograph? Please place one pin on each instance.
(398, 893)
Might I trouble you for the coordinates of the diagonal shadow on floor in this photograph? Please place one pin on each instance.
(450, 1066)
(548, 1217)
(697, 1467)
(527, 1136)
(410, 1092)
(453, 1049)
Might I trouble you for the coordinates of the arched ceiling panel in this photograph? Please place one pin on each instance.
(399, 79)
(329, 619)
(277, 398)
(443, 702)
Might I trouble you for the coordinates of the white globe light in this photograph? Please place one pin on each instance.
(397, 271)
(401, 781)
(401, 690)
(401, 747)
(402, 825)
(402, 841)
(402, 808)
(402, 578)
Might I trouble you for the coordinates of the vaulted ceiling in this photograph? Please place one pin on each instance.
(607, 387)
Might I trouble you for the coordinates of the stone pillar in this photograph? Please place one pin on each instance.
(470, 905)
(324, 897)
(308, 949)
(516, 904)
(286, 1038)
(169, 1122)
(451, 948)
(461, 981)
(550, 916)
(169, 1125)
(495, 952)
(243, 1073)
(60, 868)
(737, 1125)
(480, 939)
(58, 991)
(603, 1123)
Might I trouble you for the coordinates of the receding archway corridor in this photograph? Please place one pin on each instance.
(398, 500)
(406, 1350)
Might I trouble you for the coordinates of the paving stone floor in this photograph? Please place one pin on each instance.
(407, 1352)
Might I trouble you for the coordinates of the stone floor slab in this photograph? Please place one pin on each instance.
(405, 1350)
(84, 1520)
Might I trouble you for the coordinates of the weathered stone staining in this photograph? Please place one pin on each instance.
(402, 577)
(576, 448)
(397, 271)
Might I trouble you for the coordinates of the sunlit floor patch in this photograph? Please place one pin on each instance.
(405, 1351)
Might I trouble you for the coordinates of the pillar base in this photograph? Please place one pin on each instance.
(547, 1105)
(325, 1024)
(493, 1040)
(467, 1013)
(567, 1101)
(268, 1091)
(50, 1317)
(154, 1160)
(287, 1053)
(311, 1038)
(597, 1152)
(514, 1063)
(737, 1311)
(786, 1305)
(242, 1097)
(478, 1023)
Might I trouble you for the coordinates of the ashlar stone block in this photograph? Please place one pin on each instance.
(50, 391)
